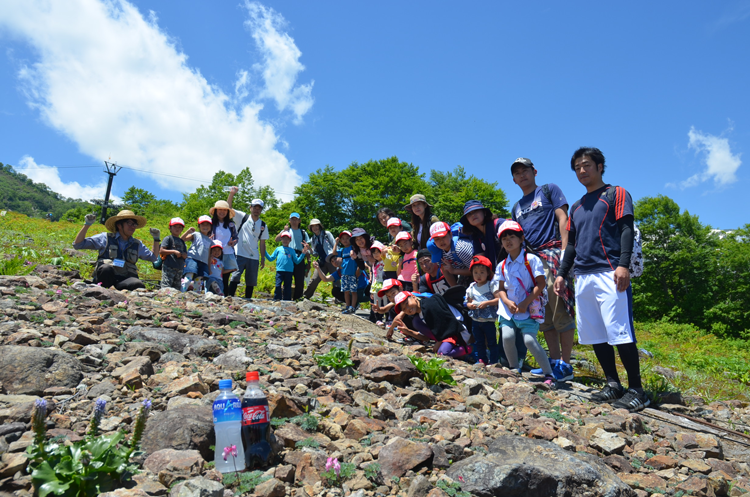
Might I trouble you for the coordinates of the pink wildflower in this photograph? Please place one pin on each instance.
(231, 450)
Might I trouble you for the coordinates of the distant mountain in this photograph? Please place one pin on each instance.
(19, 194)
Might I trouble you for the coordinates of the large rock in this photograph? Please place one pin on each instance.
(31, 370)
(395, 369)
(101, 293)
(234, 360)
(176, 341)
(181, 429)
(24, 281)
(517, 466)
(400, 455)
(162, 459)
(198, 487)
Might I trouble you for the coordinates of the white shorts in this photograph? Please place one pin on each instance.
(603, 315)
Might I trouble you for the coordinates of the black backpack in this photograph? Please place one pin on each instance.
(244, 220)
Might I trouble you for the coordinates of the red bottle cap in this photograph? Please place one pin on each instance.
(252, 376)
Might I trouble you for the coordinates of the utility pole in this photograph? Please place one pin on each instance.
(112, 169)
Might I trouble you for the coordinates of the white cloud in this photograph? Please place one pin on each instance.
(721, 163)
(50, 176)
(281, 63)
(114, 83)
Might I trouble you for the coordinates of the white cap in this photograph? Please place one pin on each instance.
(257, 201)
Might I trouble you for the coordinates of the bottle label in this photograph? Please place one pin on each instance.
(227, 410)
(253, 415)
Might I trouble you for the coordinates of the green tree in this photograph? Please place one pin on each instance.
(201, 200)
(681, 257)
(730, 313)
(351, 197)
(138, 199)
(449, 191)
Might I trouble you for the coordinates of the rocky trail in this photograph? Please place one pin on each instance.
(494, 433)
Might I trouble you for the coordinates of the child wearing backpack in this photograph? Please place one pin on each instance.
(196, 266)
(482, 304)
(173, 252)
(522, 283)
(286, 259)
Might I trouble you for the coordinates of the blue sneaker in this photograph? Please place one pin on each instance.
(563, 371)
(540, 372)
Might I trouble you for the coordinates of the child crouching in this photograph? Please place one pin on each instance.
(216, 272)
(196, 266)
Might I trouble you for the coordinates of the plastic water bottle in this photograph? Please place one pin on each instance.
(228, 425)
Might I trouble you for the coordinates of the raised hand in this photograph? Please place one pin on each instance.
(156, 233)
(89, 219)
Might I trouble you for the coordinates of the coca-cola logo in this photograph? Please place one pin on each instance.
(254, 414)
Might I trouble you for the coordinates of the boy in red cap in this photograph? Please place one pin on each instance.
(173, 252)
(482, 304)
(196, 266)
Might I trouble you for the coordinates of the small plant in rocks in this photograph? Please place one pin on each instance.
(433, 372)
(94, 465)
(337, 473)
(336, 358)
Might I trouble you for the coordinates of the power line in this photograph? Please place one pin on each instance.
(202, 181)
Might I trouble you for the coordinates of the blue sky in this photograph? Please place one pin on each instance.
(188, 88)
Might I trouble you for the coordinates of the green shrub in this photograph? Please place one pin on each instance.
(336, 358)
(433, 371)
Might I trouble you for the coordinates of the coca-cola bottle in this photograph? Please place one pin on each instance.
(256, 424)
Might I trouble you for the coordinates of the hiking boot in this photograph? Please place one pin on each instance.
(540, 371)
(608, 394)
(563, 371)
(632, 401)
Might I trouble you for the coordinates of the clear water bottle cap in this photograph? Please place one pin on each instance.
(225, 384)
(252, 376)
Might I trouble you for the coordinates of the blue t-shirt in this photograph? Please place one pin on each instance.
(362, 281)
(460, 254)
(593, 222)
(285, 258)
(348, 265)
(536, 215)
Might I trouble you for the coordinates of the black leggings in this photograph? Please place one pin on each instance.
(605, 353)
(106, 276)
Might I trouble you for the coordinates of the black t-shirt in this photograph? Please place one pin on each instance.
(174, 243)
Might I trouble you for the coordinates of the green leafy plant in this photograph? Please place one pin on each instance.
(433, 371)
(306, 421)
(337, 473)
(243, 483)
(276, 422)
(453, 489)
(372, 472)
(336, 358)
(557, 416)
(94, 465)
(308, 442)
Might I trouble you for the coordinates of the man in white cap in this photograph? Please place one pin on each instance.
(252, 233)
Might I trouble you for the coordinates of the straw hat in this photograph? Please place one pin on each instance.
(124, 214)
(222, 204)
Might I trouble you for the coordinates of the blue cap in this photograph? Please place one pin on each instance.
(294, 214)
(225, 384)
(472, 205)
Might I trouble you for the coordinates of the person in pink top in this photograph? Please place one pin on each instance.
(407, 267)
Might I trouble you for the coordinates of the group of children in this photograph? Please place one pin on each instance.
(513, 295)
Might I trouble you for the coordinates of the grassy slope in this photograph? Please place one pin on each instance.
(709, 367)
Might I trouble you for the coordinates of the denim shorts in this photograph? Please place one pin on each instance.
(230, 262)
(526, 326)
(197, 267)
(348, 283)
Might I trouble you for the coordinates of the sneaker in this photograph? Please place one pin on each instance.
(540, 371)
(608, 394)
(345, 310)
(632, 401)
(563, 371)
(550, 381)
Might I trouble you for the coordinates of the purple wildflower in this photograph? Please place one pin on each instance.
(146, 404)
(59, 292)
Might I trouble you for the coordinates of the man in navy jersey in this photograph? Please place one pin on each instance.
(600, 241)
(433, 280)
(542, 212)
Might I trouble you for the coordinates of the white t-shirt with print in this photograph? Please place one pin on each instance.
(249, 236)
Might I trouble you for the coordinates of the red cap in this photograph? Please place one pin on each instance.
(480, 260)
(404, 235)
(388, 284)
(439, 229)
(509, 226)
(393, 221)
(286, 234)
(252, 376)
(400, 299)
(345, 233)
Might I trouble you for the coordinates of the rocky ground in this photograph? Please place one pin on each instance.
(492, 434)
